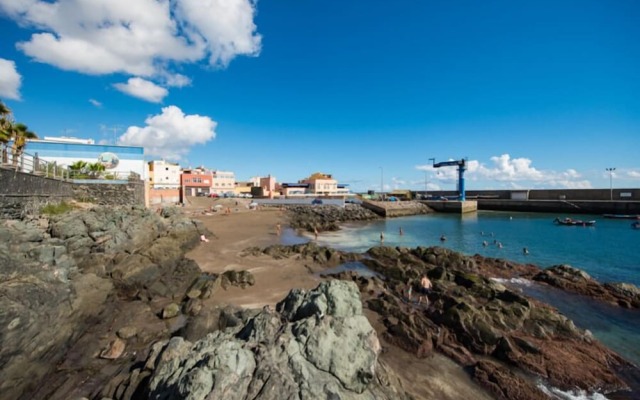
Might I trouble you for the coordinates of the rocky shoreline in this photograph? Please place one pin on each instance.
(103, 304)
(85, 294)
(509, 342)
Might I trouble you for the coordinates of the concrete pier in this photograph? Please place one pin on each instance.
(452, 206)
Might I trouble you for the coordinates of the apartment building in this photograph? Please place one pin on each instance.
(164, 183)
(196, 181)
(222, 182)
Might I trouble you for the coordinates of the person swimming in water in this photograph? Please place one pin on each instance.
(525, 251)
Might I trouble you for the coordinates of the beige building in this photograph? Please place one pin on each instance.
(324, 185)
(223, 182)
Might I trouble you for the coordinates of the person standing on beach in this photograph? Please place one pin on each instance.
(315, 232)
(278, 229)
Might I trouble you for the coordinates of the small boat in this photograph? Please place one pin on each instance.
(636, 225)
(621, 216)
(574, 222)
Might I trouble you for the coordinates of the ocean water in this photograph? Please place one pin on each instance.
(608, 251)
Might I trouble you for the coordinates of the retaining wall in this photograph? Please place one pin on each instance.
(116, 193)
(22, 194)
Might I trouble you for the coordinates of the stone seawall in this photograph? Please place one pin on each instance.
(22, 194)
(110, 194)
(25, 194)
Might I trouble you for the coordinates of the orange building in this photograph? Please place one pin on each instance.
(196, 182)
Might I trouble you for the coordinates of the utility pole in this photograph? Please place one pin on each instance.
(381, 182)
(113, 130)
(426, 182)
(610, 170)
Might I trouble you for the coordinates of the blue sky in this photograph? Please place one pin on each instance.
(538, 95)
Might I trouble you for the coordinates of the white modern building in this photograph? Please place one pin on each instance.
(119, 161)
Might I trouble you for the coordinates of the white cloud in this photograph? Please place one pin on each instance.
(142, 89)
(95, 102)
(633, 174)
(177, 80)
(226, 26)
(171, 134)
(511, 172)
(10, 80)
(139, 38)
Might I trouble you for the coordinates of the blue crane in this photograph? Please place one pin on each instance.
(462, 166)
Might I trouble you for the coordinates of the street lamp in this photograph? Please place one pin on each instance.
(610, 171)
(381, 181)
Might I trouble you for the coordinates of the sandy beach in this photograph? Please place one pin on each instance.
(435, 377)
(235, 231)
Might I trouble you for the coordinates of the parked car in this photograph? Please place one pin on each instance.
(316, 201)
(201, 194)
(213, 195)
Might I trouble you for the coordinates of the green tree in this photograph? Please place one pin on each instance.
(19, 133)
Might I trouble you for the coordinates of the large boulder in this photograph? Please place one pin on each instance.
(316, 344)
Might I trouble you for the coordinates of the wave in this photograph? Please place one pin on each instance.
(514, 281)
(556, 393)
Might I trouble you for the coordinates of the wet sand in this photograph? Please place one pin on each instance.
(436, 377)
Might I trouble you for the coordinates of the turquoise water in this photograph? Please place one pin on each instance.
(608, 251)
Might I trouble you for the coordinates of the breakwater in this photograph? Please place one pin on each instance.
(562, 206)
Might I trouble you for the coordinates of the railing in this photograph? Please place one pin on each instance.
(103, 175)
(32, 164)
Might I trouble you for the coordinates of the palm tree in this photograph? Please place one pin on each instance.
(5, 124)
(19, 133)
(95, 169)
(78, 168)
